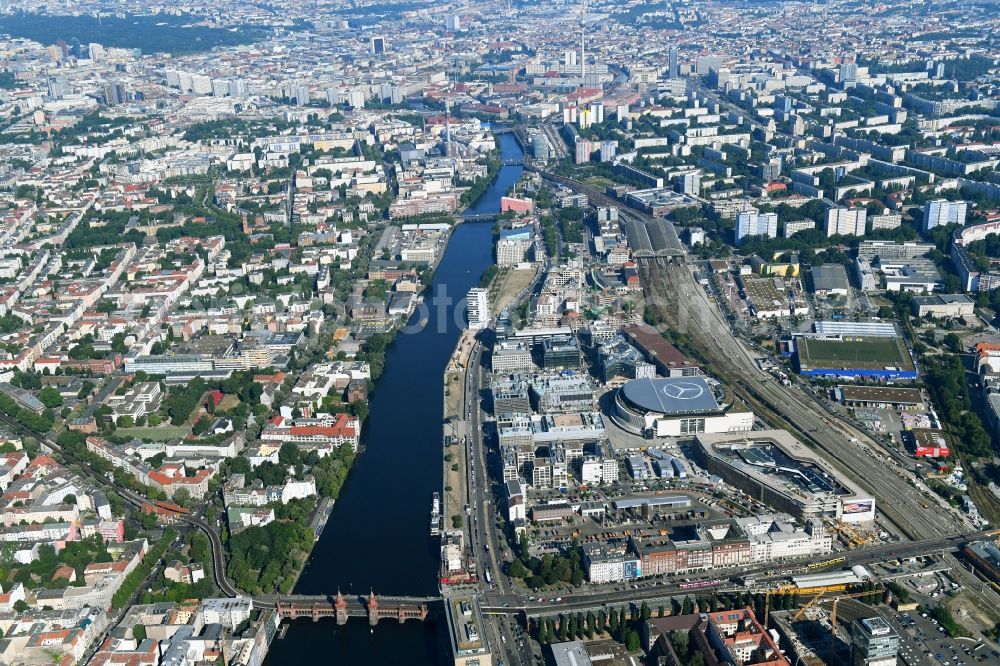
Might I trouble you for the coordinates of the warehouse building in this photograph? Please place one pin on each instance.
(943, 305)
(830, 280)
(669, 361)
(880, 397)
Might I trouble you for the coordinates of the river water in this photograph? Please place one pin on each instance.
(377, 537)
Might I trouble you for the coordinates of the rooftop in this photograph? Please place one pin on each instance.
(679, 395)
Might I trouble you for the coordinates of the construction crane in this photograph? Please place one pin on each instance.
(833, 615)
(807, 606)
(852, 595)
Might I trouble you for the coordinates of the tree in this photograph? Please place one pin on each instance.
(687, 607)
(50, 397)
(182, 496)
(644, 612)
(289, 454)
(518, 570)
(679, 640)
(953, 343)
(543, 636)
(632, 642)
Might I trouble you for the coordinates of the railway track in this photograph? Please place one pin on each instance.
(898, 500)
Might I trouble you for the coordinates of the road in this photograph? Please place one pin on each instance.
(484, 539)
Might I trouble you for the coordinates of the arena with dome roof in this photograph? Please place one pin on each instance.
(676, 407)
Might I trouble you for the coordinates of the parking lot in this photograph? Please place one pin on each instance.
(923, 641)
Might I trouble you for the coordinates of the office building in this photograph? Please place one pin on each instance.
(511, 356)
(540, 147)
(114, 93)
(941, 211)
(620, 359)
(510, 395)
(453, 23)
(466, 631)
(511, 251)
(560, 352)
(846, 221)
(598, 469)
(873, 643)
(378, 45)
(56, 89)
(607, 562)
(754, 223)
(558, 394)
(673, 64)
(478, 309)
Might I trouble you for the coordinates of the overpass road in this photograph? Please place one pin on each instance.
(768, 575)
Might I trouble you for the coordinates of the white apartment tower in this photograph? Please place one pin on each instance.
(754, 223)
(941, 211)
(478, 309)
(846, 221)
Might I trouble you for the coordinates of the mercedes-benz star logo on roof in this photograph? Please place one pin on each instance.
(682, 391)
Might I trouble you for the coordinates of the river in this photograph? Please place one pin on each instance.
(377, 537)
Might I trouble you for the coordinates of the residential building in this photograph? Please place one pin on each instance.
(478, 309)
(754, 223)
(941, 212)
(846, 221)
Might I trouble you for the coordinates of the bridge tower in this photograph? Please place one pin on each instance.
(372, 609)
(341, 606)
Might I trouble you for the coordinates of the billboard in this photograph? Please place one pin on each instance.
(632, 569)
(932, 451)
(858, 510)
